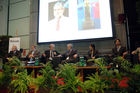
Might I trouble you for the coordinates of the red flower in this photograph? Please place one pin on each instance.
(123, 84)
(79, 88)
(60, 81)
(53, 77)
(114, 80)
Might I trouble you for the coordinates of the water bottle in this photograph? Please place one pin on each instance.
(31, 59)
(82, 61)
(36, 62)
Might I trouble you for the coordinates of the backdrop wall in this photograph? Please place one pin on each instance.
(3, 16)
(23, 17)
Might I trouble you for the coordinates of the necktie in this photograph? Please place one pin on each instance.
(51, 54)
(58, 25)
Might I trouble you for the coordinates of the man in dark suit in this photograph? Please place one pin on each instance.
(49, 54)
(119, 50)
(14, 52)
(70, 55)
(33, 53)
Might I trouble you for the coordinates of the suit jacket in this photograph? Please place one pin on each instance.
(95, 54)
(70, 54)
(16, 53)
(116, 53)
(47, 53)
(36, 54)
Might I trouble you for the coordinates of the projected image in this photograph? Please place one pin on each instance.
(68, 20)
(60, 15)
(88, 14)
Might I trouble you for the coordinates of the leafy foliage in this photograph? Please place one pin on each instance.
(5, 76)
(95, 84)
(124, 64)
(72, 82)
(21, 82)
(14, 61)
(47, 81)
(101, 62)
(136, 68)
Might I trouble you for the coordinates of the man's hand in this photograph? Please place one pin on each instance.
(44, 54)
(59, 55)
(75, 56)
(125, 53)
(133, 52)
(93, 57)
(31, 56)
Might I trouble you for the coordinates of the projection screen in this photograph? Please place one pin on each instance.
(65, 20)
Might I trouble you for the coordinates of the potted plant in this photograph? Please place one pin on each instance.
(113, 77)
(21, 82)
(5, 78)
(72, 82)
(47, 81)
(6, 74)
(134, 82)
(95, 84)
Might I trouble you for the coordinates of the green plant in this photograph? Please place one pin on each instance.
(95, 84)
(21, 82)
(47, 80)
(134, 82)
(14, 61)
(124, 65)
(136, 69)
(71, 81)
(6, 76)
(101, 62)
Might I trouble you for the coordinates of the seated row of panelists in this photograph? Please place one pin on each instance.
(71, 54)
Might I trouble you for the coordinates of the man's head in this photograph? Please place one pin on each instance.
(52, 46)
(69, 46)
(58, 10)
(14, 48)
(33, 47)
(117, 42)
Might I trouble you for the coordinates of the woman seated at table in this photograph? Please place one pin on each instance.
(92, 53)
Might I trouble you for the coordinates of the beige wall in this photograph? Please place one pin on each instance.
(3, 16)
(19, 21)
(23, 18)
